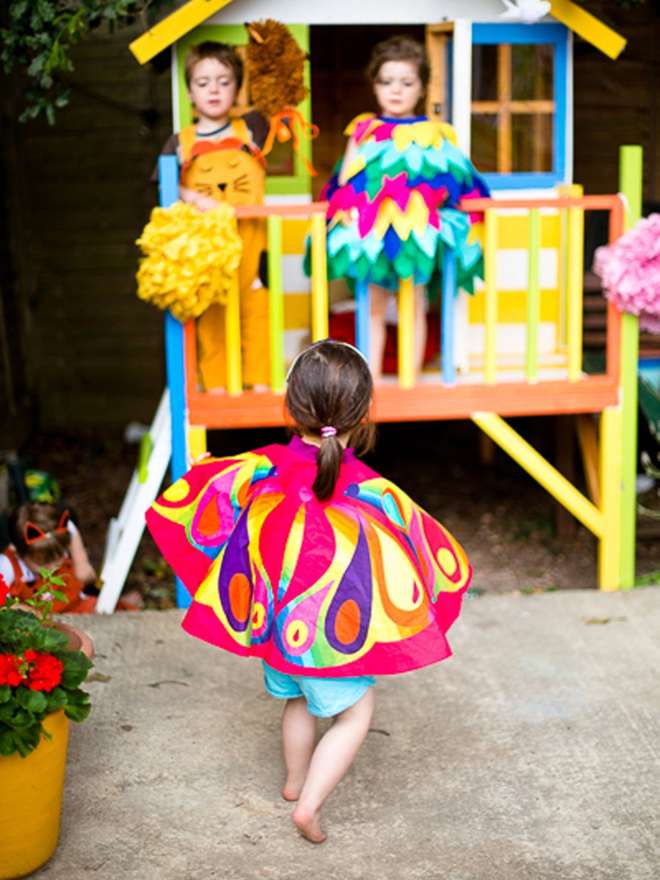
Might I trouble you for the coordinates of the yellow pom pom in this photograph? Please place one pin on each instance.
(190, 258)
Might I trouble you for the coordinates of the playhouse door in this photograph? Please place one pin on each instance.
(439, 42)
(286, 173)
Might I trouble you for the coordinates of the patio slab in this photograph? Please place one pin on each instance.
(531, 754)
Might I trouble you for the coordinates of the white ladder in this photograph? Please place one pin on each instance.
(125, 531)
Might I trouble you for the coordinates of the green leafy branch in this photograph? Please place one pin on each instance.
(37, 37)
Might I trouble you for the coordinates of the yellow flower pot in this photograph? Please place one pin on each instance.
(31, 801)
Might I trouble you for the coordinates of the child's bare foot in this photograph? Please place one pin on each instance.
(308, 823)
(291, 792)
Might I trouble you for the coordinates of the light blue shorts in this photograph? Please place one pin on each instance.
(325, 696)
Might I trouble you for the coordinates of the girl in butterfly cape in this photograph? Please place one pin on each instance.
(305, 557)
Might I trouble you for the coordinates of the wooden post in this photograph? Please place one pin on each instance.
(533, 296)
(630, 184)
(233, 341)
(362, 319)
(448, 308)
(490, 262)
(609, 548)
(276, 303)
(574, 284)
(319, 280)
(406, 333)
(168, 175)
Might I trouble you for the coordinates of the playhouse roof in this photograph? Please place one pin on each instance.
(195, 12)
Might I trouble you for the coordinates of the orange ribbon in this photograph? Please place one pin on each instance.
(295, 126)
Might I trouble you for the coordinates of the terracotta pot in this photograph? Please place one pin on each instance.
(78, 640)
(31, 801)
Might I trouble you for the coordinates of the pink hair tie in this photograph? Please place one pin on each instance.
(328, 431)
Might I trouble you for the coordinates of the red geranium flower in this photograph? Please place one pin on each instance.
(45, 674)
(4, 589)
(10, 670)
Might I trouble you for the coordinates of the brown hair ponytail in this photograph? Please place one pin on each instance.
(330, 387)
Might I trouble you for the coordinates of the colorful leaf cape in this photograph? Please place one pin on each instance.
(397, 212)
(365, 583)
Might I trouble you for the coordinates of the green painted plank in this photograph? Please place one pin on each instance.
(630, 184)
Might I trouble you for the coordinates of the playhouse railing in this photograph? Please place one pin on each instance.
(440, 394)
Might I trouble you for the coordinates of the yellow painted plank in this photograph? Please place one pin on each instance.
(172, 28)
(196, 442)
(588, 27)
(406, 333)
(609, 549)
(276, 303)
(533, 296)
(511, 307)
(542, 471)
(574, 281)
(319, 279)
(490, 294)
(513, 231)
(233, 340)
(297, 311)
(294, 235)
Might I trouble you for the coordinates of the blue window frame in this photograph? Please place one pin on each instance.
(523, 34)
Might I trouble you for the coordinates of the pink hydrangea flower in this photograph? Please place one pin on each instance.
(630, 270)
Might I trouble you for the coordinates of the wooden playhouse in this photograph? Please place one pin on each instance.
(515, 347)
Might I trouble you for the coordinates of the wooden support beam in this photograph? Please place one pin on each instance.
(542, 471)
(609, 549)
(587, 432)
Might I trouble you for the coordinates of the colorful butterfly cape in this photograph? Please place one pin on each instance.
(397, 212)
(365, 583)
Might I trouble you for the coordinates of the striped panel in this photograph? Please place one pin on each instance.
(513, 229)
(512, 308)
(294, 279)
(512, 269)
(294, 235)
(512, 281)
(511, 340)
(297, 287)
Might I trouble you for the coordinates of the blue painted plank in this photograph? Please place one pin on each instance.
(362, 318)
(447, 325)
(168, 176)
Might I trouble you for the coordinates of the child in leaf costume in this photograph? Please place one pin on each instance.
(393, 203)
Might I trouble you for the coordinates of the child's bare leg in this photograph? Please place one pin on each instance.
(298, 741)
(378, 297)
(420, 327)
(331, 759)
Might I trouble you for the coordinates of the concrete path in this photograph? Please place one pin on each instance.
(532, 754)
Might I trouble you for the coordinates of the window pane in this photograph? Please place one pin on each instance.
(532, 72)
(484, 73)
(531, 142)
(484, 142)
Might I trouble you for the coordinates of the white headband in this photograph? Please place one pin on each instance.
(320, 342)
